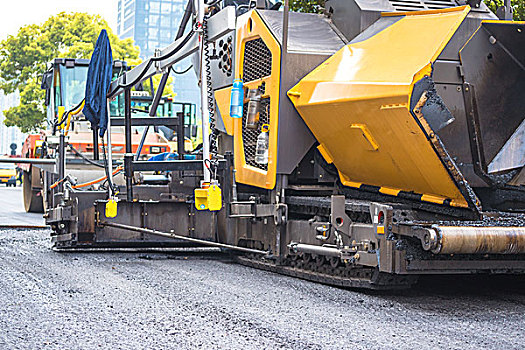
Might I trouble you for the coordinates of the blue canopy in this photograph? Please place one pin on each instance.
(97, 84)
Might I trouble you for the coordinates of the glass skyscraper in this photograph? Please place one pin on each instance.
(153, 24)
(9, 135)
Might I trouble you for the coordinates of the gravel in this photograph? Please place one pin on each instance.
(162, 300)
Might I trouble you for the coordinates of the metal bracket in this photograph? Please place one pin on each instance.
(381, 218)
(156, 54)
(251, 209)
(338, 218)
(476, 145)
(60, 213)
(429, 237)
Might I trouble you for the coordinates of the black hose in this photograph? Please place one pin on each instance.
(65, 116)
(90, 161)
(214, 3)
(110, 181)
(84, 157)
(184, 71)
(187, 14)
(156, 59)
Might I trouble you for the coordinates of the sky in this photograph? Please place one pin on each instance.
(17, 13)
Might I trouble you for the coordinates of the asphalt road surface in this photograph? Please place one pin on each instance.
(160, 300)
(12, 212)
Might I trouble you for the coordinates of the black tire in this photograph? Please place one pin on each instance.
(32, 198)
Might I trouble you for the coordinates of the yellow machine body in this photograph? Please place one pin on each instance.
(357, 105)
(267, 74)
(252, 27)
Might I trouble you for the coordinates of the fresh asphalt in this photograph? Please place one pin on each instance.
(185, 300)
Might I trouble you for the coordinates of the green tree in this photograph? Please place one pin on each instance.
(168, 89)
(24, 57)
(517, 5)
(310, 6)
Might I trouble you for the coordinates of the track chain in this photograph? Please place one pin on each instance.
(344, 275)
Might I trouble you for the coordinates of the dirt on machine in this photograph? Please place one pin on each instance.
(363, 147)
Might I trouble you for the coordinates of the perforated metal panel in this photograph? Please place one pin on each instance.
(257, 64)
(222, 56)
(249, 136)
(418, 5)
(257, 61)
(225, 49)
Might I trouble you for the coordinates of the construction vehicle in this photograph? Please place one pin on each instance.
(8, 174)
(64, 83)
(378, 142)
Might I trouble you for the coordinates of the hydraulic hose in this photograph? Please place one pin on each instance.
(100, 179)
(78, 153)
(72, 111)
(156, 59)
(185, 18)
(184, 71)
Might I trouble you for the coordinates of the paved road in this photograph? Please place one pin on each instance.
(52, 300)
(12, 209)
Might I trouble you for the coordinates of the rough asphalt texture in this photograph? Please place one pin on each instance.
(116, 300)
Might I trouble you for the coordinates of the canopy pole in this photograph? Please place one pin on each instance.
(204, 93)
(110, 156)
(508, 10)
(96, 155)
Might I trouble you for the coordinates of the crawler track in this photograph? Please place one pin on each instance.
(340, 276)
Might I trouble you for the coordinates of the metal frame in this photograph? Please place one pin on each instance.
(218, 24)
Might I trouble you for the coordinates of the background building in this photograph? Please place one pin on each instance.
(9, 135)
(153, 24)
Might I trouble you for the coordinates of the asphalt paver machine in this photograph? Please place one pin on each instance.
(362, 147)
